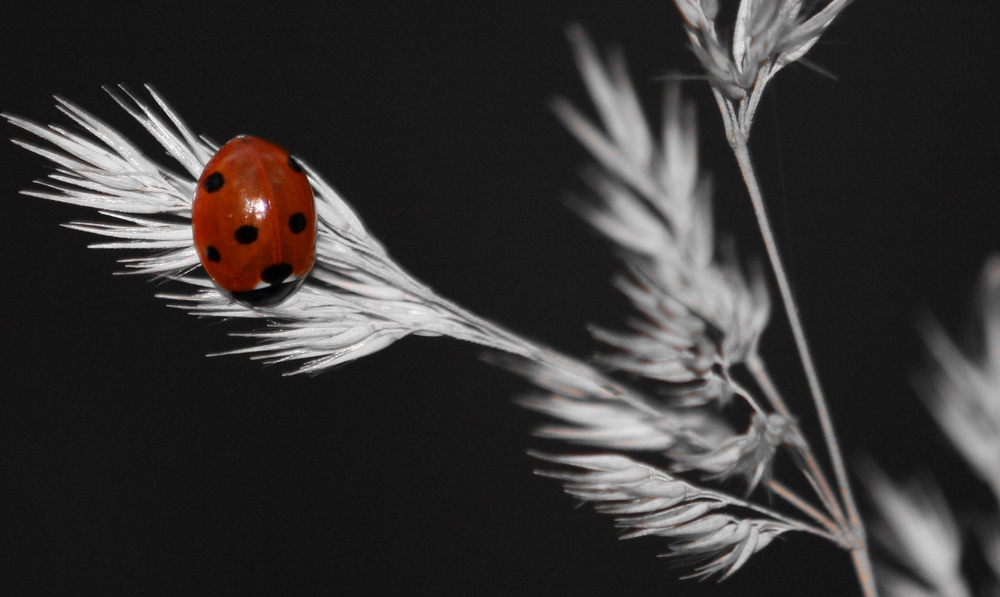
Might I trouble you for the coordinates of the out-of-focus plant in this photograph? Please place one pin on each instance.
(962, 390)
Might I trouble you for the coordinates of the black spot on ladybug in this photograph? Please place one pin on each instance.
(214, 182)
(212, 253)
(246, 234)
(297, 223)
(294, 165)
(276, 274)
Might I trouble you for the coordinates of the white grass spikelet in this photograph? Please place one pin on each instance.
(917, 527)
(896, 584)
(603, 425)
(768, 35)
(600, 412)
(964, 392)
(656, 205)
(646, 501)
(750, 454)
(356, 301)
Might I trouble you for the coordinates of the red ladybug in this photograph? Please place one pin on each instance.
(254, 221)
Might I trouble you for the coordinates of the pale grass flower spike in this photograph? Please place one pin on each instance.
(699, 315)
(964, 391)
(916, 525)
(356, 301)
(768, 35)
(646, 501)
(917, 528)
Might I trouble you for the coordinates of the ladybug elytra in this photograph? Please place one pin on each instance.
(254, 221)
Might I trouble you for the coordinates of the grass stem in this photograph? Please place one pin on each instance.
(859, 551)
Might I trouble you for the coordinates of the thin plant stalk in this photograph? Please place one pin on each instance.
(813, 472)
(859, 547)
(836, 534)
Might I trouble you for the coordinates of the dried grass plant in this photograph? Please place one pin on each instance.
(675, 426)
(915, 524)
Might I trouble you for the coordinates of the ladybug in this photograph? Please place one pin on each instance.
(254, 221)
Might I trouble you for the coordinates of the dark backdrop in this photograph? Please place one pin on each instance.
(134, 465)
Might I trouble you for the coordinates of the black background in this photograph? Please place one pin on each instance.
(134, 465)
